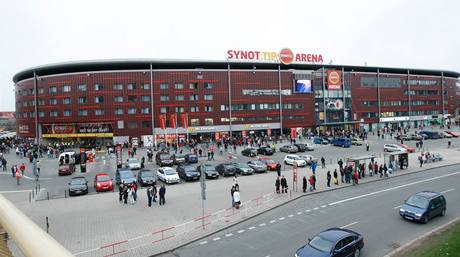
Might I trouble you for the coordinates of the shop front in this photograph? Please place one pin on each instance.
(88, 134)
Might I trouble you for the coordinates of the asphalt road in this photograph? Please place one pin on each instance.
(370, 209)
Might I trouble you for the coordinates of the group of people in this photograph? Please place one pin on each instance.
(128, 192)
(281, 182)
(235, 194)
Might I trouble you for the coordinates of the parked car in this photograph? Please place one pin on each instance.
(309, 159)
(145, 177)
(301, 147)
(293, 159)
(289, 149)
(321, 140)
(257, 166)
(341, 141)
(133, 164)
(66, 169)
(226, 169)
(265, 150)
(423, 206)
(335, 242)
(164, 159)
(168, 175)
(103, 182)
(407, 148)
(309, 147)
(445, 134)
(178, 158)
(392, 148)
(271, 164)
(243, 168)
(454, 134)
(209, 171)
(357, 141)
(191, 158)
(78, 186)
(251, 152)
(125, 175)
(430, 134)
(187, 172)
(435, 157)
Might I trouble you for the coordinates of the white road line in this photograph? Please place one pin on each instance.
(272, 221)
(393, 188)
(251, 228)
(448, 190)
(216, 239)
(241, 231)
(349, 225)
(290, 215)
(299, 213)
(316, 208)
(396, 207)
(307, 211)
(262, 224)
(203, 243)
(229, 235)
(323, 206)
(282, 218)
(15, 191)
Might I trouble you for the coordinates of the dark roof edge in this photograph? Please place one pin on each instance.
(127, 64)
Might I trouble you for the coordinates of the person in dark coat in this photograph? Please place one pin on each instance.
(278, 169)
(328, 177)
(120, 192)
(336, 177)
(277, 185)
(125, 194)
(231, 194)
(154, 193)
(323, 162)
(304, 184)
(284, 185)
(150, 195)
(162, 193)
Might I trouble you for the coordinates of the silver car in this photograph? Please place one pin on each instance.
(289, 149)
(257, 166)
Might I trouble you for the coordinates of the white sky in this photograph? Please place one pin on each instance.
(415, 34)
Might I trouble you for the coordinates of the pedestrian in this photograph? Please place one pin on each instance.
(4, 162)
(340, 163)
(385, 170)
(381, 170)
(235, 181)
(237, 199)
(323, 162)
(328, 177)
(341, 175)
(162, 193)
(22, 168)
(313, 167)
(154, 193)
(149, 195)
(18, 177)
(420, 159)
(449, 143)
(131, 194)
(277, 185)
(212, 155)
(355, 177)
(335, 179)
(367, 146)
(416, 145)
(278, 169)
(209, 155)
(304, 184)
(125, 194)
(231, 194)
(13, 170)
(142, 162)
(134, 187)
(120, 192)
(284, 185)
(38, 165)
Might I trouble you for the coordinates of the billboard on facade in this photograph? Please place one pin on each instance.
(334, 80)
(303, 86)
(334, 104)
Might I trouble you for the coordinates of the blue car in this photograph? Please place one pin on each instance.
(341, 141)
(321, 140)
(423, 206)
(333, 242)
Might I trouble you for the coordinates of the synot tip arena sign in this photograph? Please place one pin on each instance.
(284, 56)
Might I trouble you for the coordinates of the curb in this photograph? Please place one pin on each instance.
(421, 238)
(291, 200)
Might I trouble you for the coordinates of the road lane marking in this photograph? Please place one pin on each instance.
(203, 243)
(299, 213)
(251, 228)
(229, 235)
(323, 206)
(393, 188)
(290, 216)
(349, 225)
(262, 224)
(272, 221)
(241, 231)
(448, 190)
(216, 239)
(316, 208)
(282, 218)
(307, 211)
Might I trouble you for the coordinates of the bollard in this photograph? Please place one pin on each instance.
(47, 225)
(65, 193)
(38, 186)
(30, 198)
(48, 195)
(32, 194)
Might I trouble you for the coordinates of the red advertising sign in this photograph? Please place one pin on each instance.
(217, 136)
(162, 121)
(244, 133)
(173, 121)
(63, 129)
(293, 132)
(334, 80)
(269, 132)
(184, 119)
(286, 56)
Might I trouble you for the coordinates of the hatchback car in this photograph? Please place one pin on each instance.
(78, 186)
(168, 175)
(209, 171)
(392, 148)
(164, 159)
(191, 158)
(333, 242)
(188, 172)
(407, 148)
(226, 169)
(265, 150)
(178, 158)
(257, 166)
(133, 164)
(271, 164)
(301, 147)
(423, 206)
(454, 134)
(289, 149)
(357, 141)
(125, 176)
(251, 152)
(102, 182)
(292, 159)
(66, 169)
(243, 168)
(146, 177)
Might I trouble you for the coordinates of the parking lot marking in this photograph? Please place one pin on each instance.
(349, 225)
(229, 235)
(241, 231)
(448, 190)
(262, 224)
(251, 228)
(290, 216)
(216, 239)
(203, 243)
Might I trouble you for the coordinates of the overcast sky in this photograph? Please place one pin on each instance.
(416, 34)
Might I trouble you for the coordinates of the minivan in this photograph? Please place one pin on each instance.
(423, 206)
(341, 141)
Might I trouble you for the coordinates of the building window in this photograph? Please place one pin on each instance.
(179, 86)
(207, 97)
(98, 87)
(131, 110)
(82, 100)
(146, 86)
(208, 121)
(41, 114)
(119, 111)
(146, 124)
(195, 122)
(67, 113)
(53, 113)
(98, 99)
(132, 98)
(32, 91)
(117, 86)
(82, 87)
(132, 124)
(164, 86)
(53, 101)
(145, 110)
(145, 98)
(180, 97)
(41, 101)
(208, 108)
(194, 109)
(194, 97)
(67, 100)
(41, 91)
(120, 124)
(179, 109)
(83, 113)
(53, 90)
(25, 103)
(118, 99)
(99, 112)
(164, 98)
(224, 107)
(164, 109)
(66, 89)
(208, 86)
(193, 86)
(131, 86)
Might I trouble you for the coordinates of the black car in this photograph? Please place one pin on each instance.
(78, 186)
(146, 177)
(301, 147)
(265, 150)
(209, 171)
(335, 242)
(188, 172)
(191, 158)
(226, 169)
(125, 175)
(164, 159)
(251, 152)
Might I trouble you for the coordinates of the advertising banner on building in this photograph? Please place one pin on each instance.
(162, 119)
(173, 121)
(184, 120)
(334, 80)
(269, 132)
(293, 132)
(148, 140)
(244, 133)
(334, 104)
(77, 130)
(217, 136)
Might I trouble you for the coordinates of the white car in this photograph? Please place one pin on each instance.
(445, 134)
(168, 175)
(293, 159)
(134, 164)
(392, 148)
(308, 158)
(309, 147)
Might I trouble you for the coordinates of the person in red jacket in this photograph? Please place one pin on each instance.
(355, 177)
(22, 168)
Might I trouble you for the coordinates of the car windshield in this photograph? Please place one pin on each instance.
(189, 168)
(321, 244)
(147, 174)
(78, 181)
(133, 161)
(126, 174)
(295, 158)
(241, 165)
(169, 171)
(165, 156)
(191, 156)
(103, 178)
(417, 201)
(258, 163)
(179, 156)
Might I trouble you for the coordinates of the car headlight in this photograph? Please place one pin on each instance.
(295, 255)
(402, 210)
(418, 215)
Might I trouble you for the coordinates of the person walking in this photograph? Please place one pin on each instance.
(4, 162)
(125, 194)
(150, 195)
(13, 170)
(38, 165)
(420, 159)
(278, 169)
(162, 193)
(381, 170)
(22, 168)
(323, 162)
(237, 199)
(277, 185)
(134, 189)
(154, 193)
(304, 184)
(335, 179)
(231, 194)
(367, 146)
(342, 175)
(449, 143)
(18, 176)
(284, 185)
(328, 177)
(120, 192)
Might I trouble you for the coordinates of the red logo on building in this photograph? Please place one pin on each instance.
(334, 80)
(286, 56)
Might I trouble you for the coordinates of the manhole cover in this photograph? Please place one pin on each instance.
(394, 245)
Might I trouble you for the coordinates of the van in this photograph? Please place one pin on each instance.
(423, 206)
(67, 158)
(341, 141)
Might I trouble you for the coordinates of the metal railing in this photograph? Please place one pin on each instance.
(28, 236)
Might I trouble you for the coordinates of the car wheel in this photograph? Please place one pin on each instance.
(425, 219)
(443, 213)
(285, 162)
(357, 252)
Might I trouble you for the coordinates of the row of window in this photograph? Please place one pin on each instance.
(400, 114)
(261, 118)
(206, 97)
(263, 106)
(190, 86)
(400, 103)
(181, 109)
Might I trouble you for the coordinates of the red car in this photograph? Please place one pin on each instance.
(66, 169)
(408, 148)
(102, 182)
(454, 134)
(271, 164)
